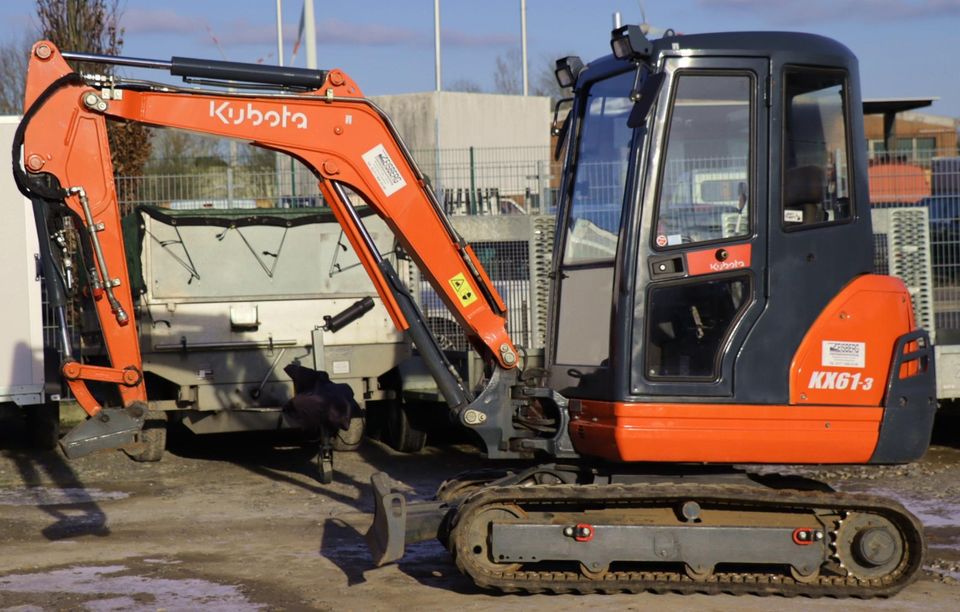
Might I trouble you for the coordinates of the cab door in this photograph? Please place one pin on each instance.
(701, 273)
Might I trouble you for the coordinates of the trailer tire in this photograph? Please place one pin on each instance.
(43, 425)
(399, 432)
(349, 440)
(153, 437)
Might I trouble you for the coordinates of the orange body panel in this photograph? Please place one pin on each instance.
(334, 131)
(725, 433)
(838, 377)
(845, 357)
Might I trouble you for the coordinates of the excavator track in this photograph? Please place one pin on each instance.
(553, 508)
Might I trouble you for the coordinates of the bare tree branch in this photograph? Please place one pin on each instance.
(465, 85)
(93, 26)
(14, 56)
(507, 76)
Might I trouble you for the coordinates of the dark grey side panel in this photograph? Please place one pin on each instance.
(910, 404)
(584, 316)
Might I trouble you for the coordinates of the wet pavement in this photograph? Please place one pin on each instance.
(240, 523)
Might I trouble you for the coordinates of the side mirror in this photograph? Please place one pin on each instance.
(644, 99)
(561, 131)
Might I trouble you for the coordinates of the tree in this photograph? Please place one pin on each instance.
(465, 85)
(180, 152)
(14, 56)
(508, 75)
(93, 26)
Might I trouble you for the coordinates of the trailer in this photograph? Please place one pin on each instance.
(23, 380)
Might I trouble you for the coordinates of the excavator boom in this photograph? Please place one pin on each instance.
(318, 117)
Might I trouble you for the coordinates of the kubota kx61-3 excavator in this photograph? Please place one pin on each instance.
(713, 304)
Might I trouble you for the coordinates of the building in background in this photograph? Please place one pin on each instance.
(918, 134)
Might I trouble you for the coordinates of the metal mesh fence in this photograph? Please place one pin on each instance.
(930, 181)
(515, 183)
(491, 180)
(507, 263)
(474, 181)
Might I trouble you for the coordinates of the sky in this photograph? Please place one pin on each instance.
(907, 48)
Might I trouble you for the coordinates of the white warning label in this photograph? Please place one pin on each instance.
(384, 170)
(843, 354)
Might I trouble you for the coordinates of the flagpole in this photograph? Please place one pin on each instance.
(523, 43)
(310, 33)
(436, 42)
(278, 157)
(280, 32)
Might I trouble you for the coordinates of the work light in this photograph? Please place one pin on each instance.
(628, 42)
(568, 69)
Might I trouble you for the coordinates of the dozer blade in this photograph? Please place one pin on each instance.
(110, 428)
(396, 523)
(385, 538)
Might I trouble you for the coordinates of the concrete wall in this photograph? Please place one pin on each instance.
(510, 137)
(469, 119)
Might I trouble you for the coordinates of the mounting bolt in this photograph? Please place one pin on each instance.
(690, 510)
(94, 102)
(336, 78)
(330, 167)
(34, 163)
(43, 52)
(509, 357)
(338, 130)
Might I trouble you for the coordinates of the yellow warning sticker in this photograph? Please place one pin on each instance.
(463, 290)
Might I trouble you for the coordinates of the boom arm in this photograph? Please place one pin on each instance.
(344, 138)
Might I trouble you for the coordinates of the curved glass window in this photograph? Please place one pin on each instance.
(601, 172)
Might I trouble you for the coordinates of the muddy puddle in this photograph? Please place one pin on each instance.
(107, 588)
(56, 496)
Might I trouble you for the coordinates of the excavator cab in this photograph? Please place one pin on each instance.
(714, 296)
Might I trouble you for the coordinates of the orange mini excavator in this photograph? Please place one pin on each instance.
(713, 304)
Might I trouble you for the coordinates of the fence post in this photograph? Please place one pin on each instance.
(229, 186)
(542, 186)
(471, 208)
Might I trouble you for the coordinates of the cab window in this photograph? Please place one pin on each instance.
(706, 184)
(816, 187)
(601, 172)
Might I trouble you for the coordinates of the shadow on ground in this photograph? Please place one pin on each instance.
(49, 483)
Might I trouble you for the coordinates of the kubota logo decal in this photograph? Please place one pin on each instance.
(840, 381)
(235, 115)
(720, 266)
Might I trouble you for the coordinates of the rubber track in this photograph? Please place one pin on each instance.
(646, 495)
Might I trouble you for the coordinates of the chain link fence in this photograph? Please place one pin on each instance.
(929, 181)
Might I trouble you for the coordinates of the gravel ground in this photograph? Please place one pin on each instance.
(239, 523)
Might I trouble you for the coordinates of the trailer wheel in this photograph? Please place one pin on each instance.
(399, 432)
(350, 439)
(43, 425)
(153, 437)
